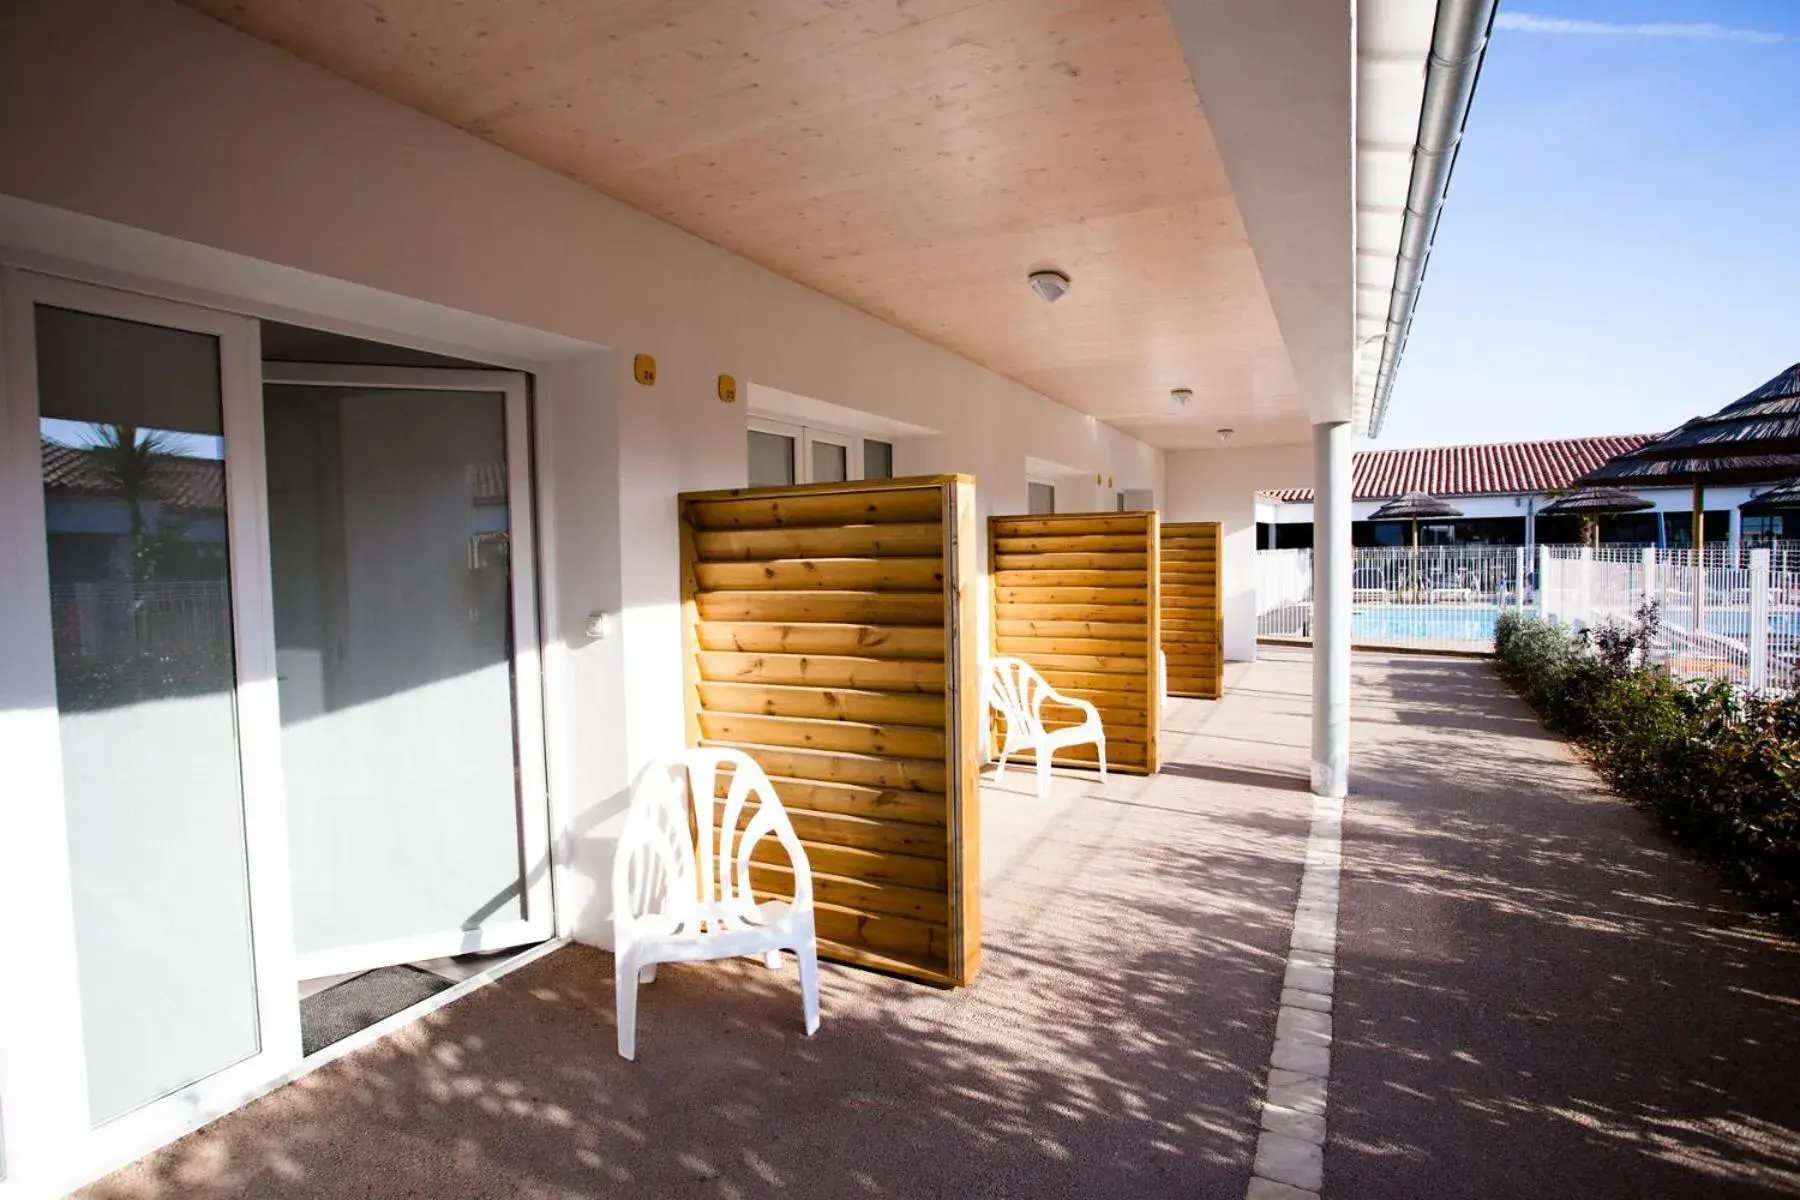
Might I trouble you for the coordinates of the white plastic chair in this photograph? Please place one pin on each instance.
(1019, 693)
(678, 901)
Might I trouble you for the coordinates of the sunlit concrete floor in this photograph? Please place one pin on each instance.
(1537, 996)
(1114, 1044)
(1538, 993)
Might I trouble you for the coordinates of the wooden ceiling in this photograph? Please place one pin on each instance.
(914, 158)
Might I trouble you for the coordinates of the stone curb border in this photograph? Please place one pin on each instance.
(1290, 1149)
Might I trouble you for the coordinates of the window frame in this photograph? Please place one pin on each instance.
(804, 437)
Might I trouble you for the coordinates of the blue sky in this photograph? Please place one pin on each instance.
(1621, 246)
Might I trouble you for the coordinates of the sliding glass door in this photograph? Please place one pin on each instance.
(270, 703)
(406, 635)
(144, 798)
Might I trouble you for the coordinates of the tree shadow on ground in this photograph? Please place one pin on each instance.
(1539, 994)
(1113, 1046)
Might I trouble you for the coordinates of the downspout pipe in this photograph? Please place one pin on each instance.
(1459, 40)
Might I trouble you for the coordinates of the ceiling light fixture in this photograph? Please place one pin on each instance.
(1049, 284)
(1225, 435)
(1182, 396)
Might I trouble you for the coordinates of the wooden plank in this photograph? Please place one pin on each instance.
(893, 804)
(1069, 525)
(1028, 648)
(860, 641)
(1005, 543)
(1132, 665)
(964, 687)
(842, 704)
(918, 940)
(1073, 561)
(897, 741)
(1109, 597)
(827, 766)
(823, 670)
(867, 895)
(856, 956)
(1076, 683)
(870, 608)
(863, 833)
(905, 506)
(1066, 578)
(1110, 700)
(835, 574)
(1107, 630)
(1013, 610)
(906, 870)
(825, 541)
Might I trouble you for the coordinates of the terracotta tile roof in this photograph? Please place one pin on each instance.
(1495, 469)
(180, 480)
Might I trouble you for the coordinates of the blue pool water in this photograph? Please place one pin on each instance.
(1422, 622)
(1474, 623)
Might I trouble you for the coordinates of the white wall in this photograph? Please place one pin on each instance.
(1221, 485)
(148, 115)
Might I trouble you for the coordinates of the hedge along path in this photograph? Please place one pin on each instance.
(1077, 595)
(829, 631)
(1193, 625)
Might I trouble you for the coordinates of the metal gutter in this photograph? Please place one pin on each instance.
(1459, 41)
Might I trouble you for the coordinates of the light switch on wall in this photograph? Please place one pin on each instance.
(599, 625)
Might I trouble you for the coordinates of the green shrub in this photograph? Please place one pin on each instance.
(1718, 767)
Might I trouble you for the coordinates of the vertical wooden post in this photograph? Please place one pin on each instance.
(1153, 641)
(962, 692)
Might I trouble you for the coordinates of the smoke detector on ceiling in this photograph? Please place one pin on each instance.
(1225, 435)
(1049, 284)
(1182, 396)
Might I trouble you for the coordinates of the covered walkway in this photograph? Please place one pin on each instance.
(1538, 993)
(1535, 997)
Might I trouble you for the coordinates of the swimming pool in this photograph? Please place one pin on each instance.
(1437, 623)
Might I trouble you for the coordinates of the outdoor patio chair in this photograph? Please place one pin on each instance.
(681, 899)
(1019, 693)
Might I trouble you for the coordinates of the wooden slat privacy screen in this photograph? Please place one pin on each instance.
(830, 632)
(1076, 596)
(1193, 626)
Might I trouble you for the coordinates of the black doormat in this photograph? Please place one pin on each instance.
(339, 1011)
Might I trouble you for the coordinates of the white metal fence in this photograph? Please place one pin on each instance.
(1744, 627)
(122, 620)
(1432, 598)
(1738, 618)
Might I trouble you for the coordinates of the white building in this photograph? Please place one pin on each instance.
(463, 298)
(1500, 489)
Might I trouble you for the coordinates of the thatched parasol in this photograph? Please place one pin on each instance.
(1697, 473)
(1415, 507)
(1765, 421)
(1590, 502)
(1782, 496)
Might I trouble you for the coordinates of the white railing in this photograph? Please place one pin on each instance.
(120, 620)
(1434, 598)
(1744, 625)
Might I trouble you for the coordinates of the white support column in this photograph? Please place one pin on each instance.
(1519, 588)
(1332, 558)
